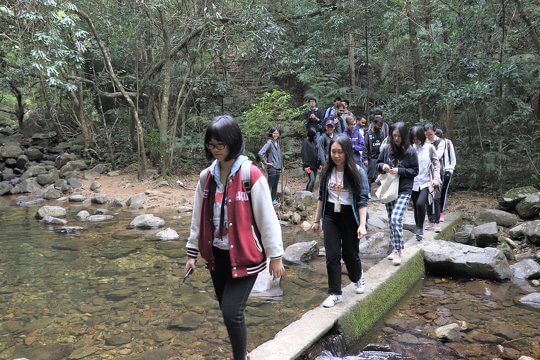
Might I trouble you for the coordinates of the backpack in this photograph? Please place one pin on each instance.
(441, 160)
(245, 176)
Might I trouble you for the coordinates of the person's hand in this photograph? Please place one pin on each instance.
(366, 163)
(393, 171)
(316, 227)
(269, 164)
(312, 116)
(434, 183)
(276, 268)
(308, 170)
(190, 264)
(386, 167)
(361, 232)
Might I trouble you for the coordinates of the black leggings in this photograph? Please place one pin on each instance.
(273, 181)
(420, 200)
(311, 180)
(341, 239)
(232, 295)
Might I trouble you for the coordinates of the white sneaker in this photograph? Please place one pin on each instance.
(361, 285)
(331, 300)
(391, 255)
(397, 258)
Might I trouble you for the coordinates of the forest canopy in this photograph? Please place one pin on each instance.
(138, 81)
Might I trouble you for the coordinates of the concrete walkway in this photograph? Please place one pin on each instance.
(356, 314)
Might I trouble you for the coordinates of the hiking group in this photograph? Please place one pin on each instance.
(234, 225)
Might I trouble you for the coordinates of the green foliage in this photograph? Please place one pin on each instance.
(271, 109)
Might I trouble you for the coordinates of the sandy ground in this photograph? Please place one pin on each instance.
(163, 195)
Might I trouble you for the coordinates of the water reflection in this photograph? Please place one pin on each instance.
(112, 293)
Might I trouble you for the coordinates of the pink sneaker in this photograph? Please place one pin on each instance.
(441, 218)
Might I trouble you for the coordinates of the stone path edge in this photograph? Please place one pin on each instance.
(385, 286)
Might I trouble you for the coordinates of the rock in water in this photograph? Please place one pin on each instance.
(451, 258)
(532, 300)
(448, 332)
(526, 269)
(167, 234)
(55, 211)
(301, 252)
(136, 201)
(147, 221)
(51, 220)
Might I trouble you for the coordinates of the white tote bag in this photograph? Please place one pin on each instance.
(389, 188)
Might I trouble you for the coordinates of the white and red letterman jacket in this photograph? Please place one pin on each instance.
(253, 228)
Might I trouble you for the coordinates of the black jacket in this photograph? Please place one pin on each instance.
(310, 154)
(407, 165)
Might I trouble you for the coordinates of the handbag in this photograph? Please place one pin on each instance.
(389, 188)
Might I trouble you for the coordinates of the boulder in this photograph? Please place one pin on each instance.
(22, 162)
(448, 332)
(34, 154)
(10, 163)
(54, 211)
(452, 258)
(95, 185)
(486, 234)
(74, 182)
(10, 151)
(74, 165)
(375, 246)
(305, 197)
(62, 185)
(7, 174)
(306, 226)
(526, 269)
(505, 248)
(464, 235)
(26, 201)
(52, 194)
(516, 232)
(532, 300)
(77, 198)
(83, 215)
(529, 208)
(99, 199)
(531, 231)
(513, 196)
(136, 201)
(147, 221)
(301, 252)
(34, 171)
(5, 188)
(47, 178)
(117, 203)
(99, 169)
(167, 234)
(296, 218)
(99, 218)
(69, 229)
(502, 218)
(29, 186)
(51, 220)
(63, 159)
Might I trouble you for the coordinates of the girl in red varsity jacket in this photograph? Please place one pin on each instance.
(233, 228)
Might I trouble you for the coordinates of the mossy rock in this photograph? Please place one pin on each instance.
(529, 207)
(513, 196)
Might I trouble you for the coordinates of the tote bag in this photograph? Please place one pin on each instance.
(389, 188)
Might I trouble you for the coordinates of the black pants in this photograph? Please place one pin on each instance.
(434, 210)
(420, 200)
(273, 180)
(312, 176)
(444, 189)
(341, 240)
(232, 295)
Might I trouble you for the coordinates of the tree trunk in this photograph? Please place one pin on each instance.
(166, 90)
(366, 35)
(110, 70)
(532, 28)
(350, 42)
(413, 46)
(19, 109)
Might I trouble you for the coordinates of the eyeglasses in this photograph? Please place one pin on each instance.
(215, 146)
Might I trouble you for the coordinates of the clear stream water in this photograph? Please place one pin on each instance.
(112, 293)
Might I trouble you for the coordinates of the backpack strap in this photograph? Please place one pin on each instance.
(245, 175)
(204, 176)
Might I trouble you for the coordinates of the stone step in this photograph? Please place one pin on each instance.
(386, 284)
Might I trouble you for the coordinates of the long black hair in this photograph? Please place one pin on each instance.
(351, 175)
(224, 129)
(405, 144)
(418, 132)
